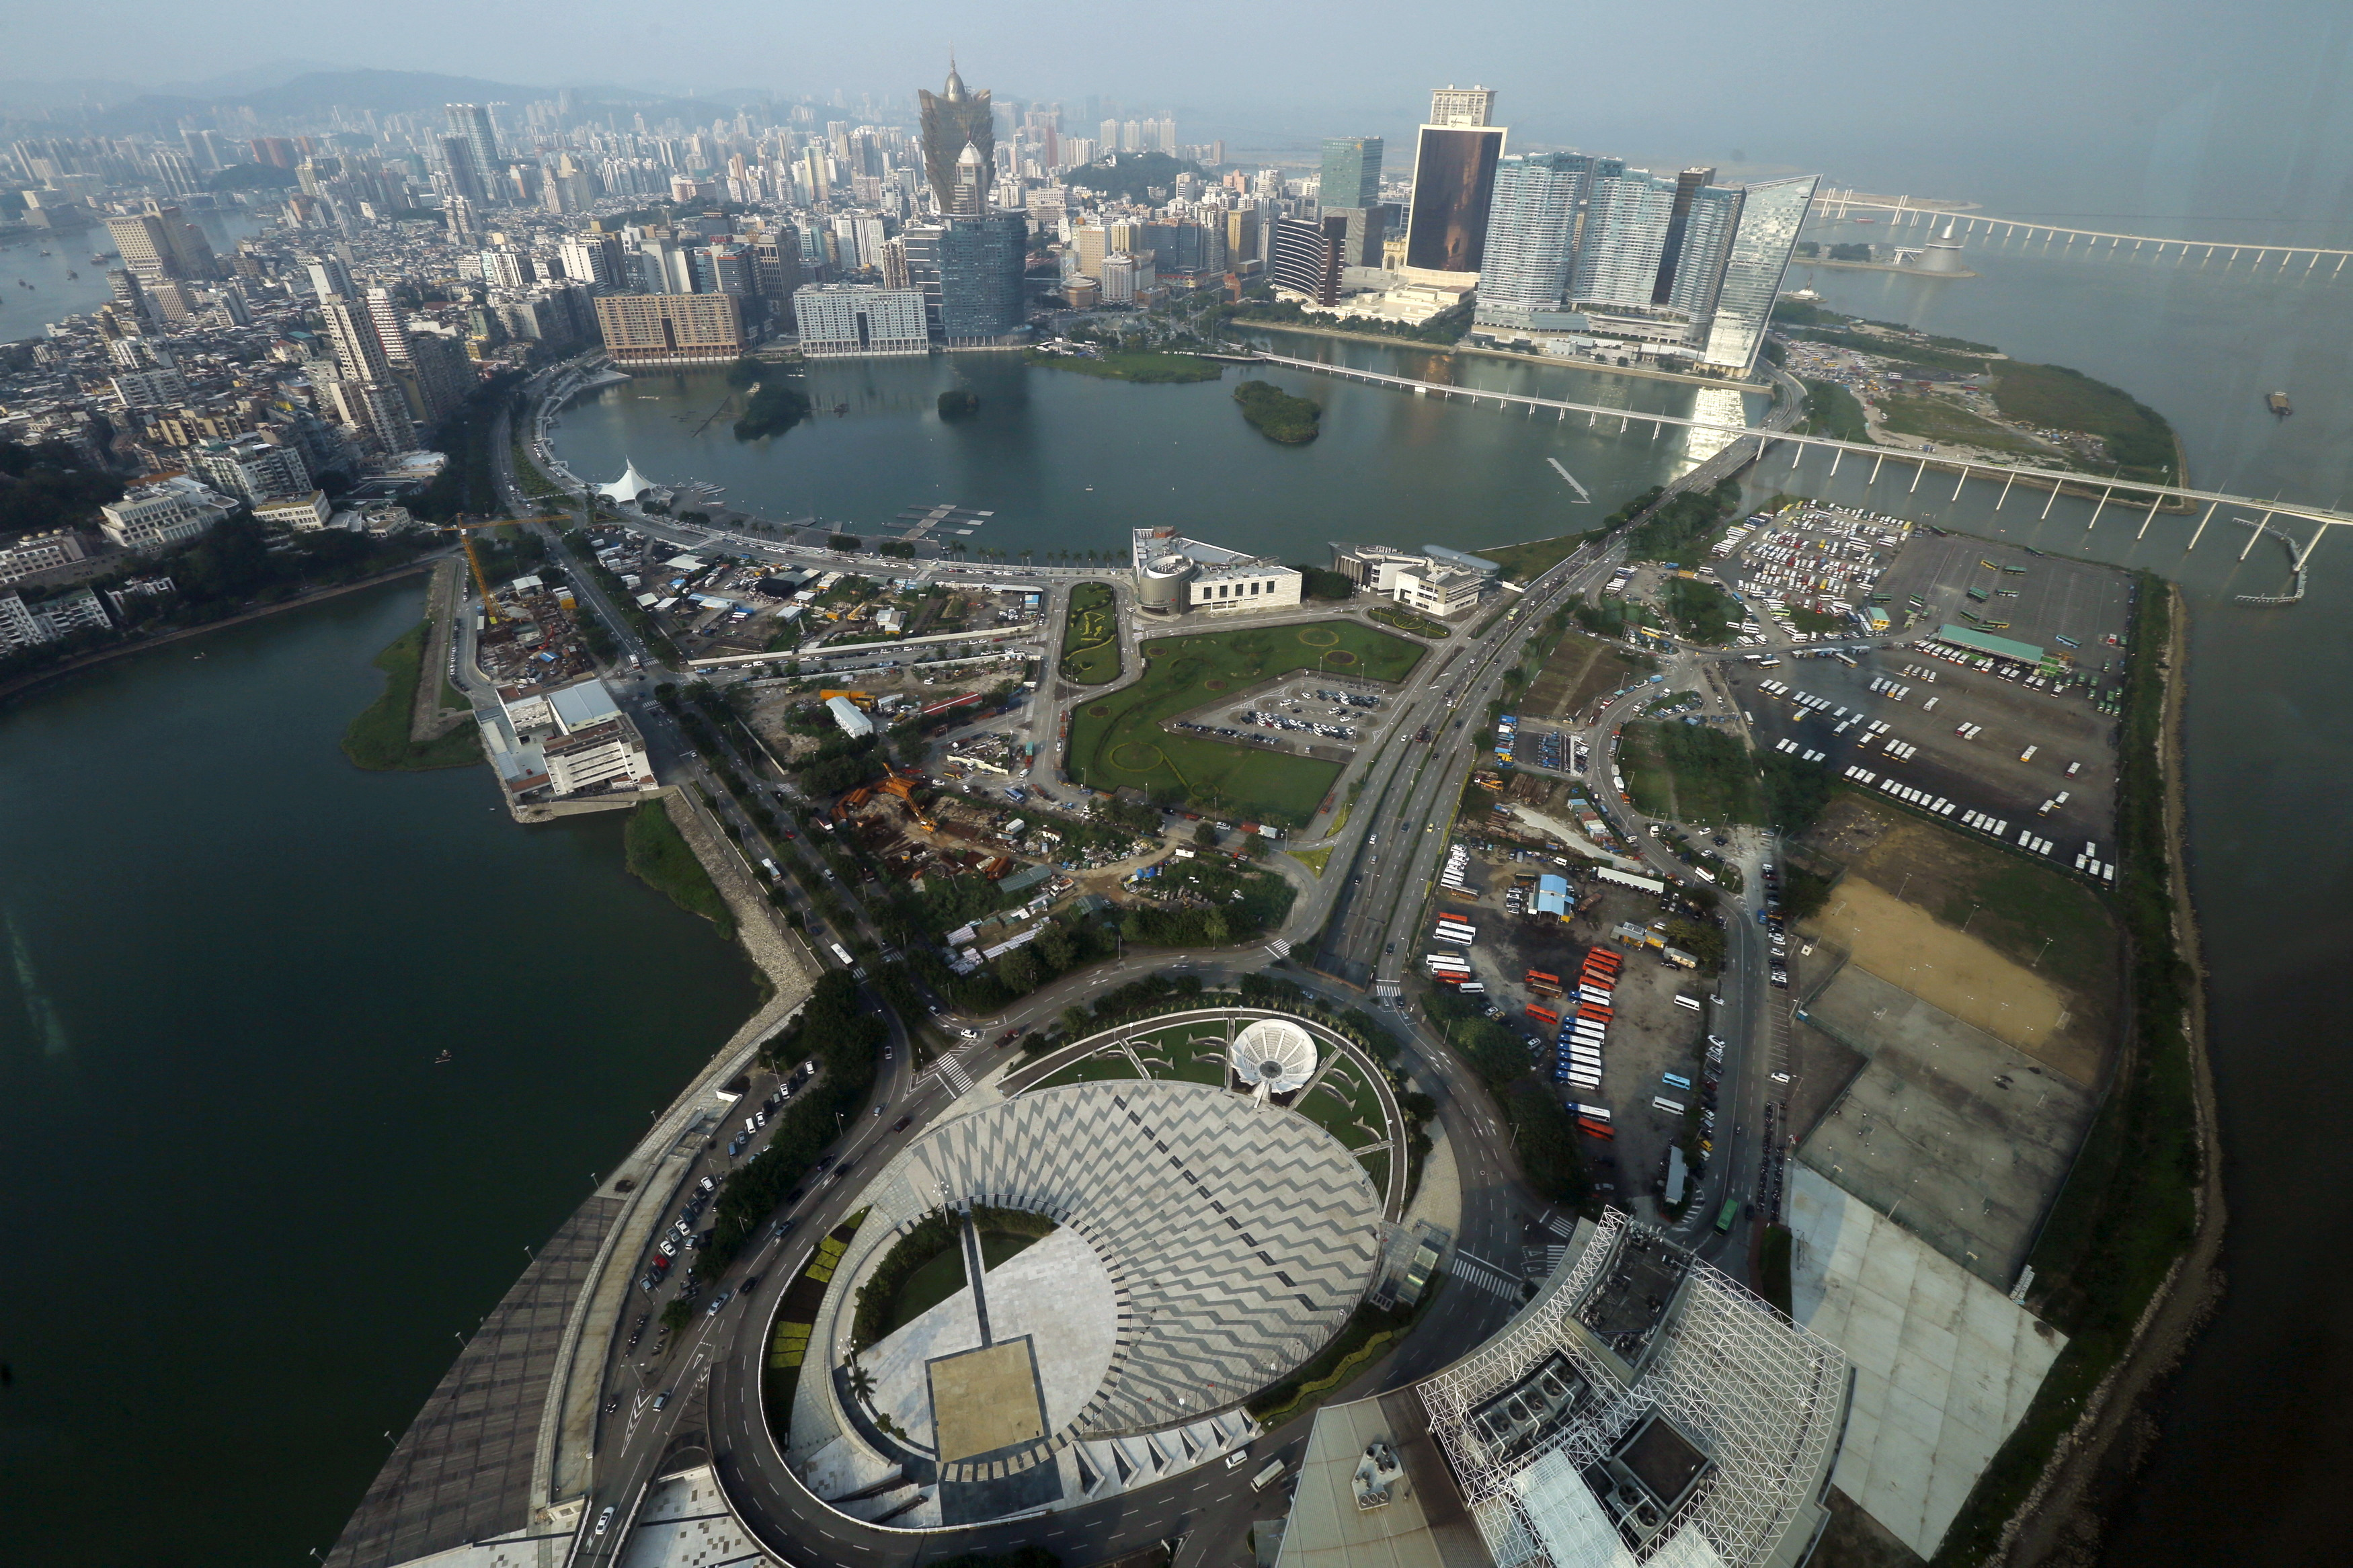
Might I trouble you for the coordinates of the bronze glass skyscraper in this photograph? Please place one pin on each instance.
(954, 119)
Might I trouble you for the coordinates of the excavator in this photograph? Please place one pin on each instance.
(896, 783)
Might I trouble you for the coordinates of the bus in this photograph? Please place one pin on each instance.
(1273, 1471)
(1726, 1215)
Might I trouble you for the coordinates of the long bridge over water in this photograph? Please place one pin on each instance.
(1835, 205)
(2138, 495)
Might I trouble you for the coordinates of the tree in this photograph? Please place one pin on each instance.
(1206, 835)
(674, 1316)
(1019, 970)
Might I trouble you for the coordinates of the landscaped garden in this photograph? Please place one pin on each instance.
(1118, 743)
(1405, 620)
(1091, 637)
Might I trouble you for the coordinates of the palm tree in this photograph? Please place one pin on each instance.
(862, 1384)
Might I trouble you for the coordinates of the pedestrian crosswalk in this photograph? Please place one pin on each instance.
(1279, 948)
(1481, 1276)
(952, 1073)
(1561, 1224)
(1538, 1262)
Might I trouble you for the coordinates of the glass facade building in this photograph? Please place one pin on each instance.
(981, 261)
(1453, 185)
(1625, 235)
(1352, 172)
(1307, 258)
(1532, 231)
(1766, 233)
(1700, 250)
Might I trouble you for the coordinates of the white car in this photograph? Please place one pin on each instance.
(605, 1520)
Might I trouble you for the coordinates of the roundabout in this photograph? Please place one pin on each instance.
(1203, 1238)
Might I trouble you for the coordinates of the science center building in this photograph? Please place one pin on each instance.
(1206, 1233)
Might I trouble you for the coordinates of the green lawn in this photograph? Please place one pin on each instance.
(378, 738)
(1117, 742)
(1522, 562)
(659, 855)
(1405, 620)
(1936, 418)
(1091, 637)
(2051, 395)
(1831, 410)
(1689, 773)
(1199, 1064)
(926, 1288)
(1339, 1102)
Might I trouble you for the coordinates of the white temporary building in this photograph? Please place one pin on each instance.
(628, 487)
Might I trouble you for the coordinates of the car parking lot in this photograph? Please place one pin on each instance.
(2048, 600)
(1306, 715)
(1952, 731)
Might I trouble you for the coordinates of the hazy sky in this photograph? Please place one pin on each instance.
(2154, 105)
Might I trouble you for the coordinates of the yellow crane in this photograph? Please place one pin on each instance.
(467, 530)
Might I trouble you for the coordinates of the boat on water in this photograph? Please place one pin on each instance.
(2278, 403)
(442, 1060)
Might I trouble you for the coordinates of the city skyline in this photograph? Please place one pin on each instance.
(2164, 74)
(1799, 716)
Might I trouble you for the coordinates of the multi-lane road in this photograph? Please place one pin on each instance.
(1355, 925)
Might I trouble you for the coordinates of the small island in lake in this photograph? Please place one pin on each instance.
(1277, 415)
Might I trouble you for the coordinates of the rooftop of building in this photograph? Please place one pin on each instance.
(1210, 561)
(1641, 1406)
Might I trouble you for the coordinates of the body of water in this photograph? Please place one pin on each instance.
(232, 958)
(248, 1216)
(67, 282)
(2262, 1414)
(1072, 462)
(2260, 1411)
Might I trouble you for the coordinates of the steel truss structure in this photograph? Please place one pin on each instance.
(1763, 1399)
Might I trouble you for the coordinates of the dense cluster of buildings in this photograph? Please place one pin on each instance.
(1567, 252)
(413, 257)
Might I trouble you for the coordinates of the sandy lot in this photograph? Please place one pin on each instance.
(1960, 974)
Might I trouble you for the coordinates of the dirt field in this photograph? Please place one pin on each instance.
(1580, 670)
(1957, 973)
(2030, 931)
(1961, 1136)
